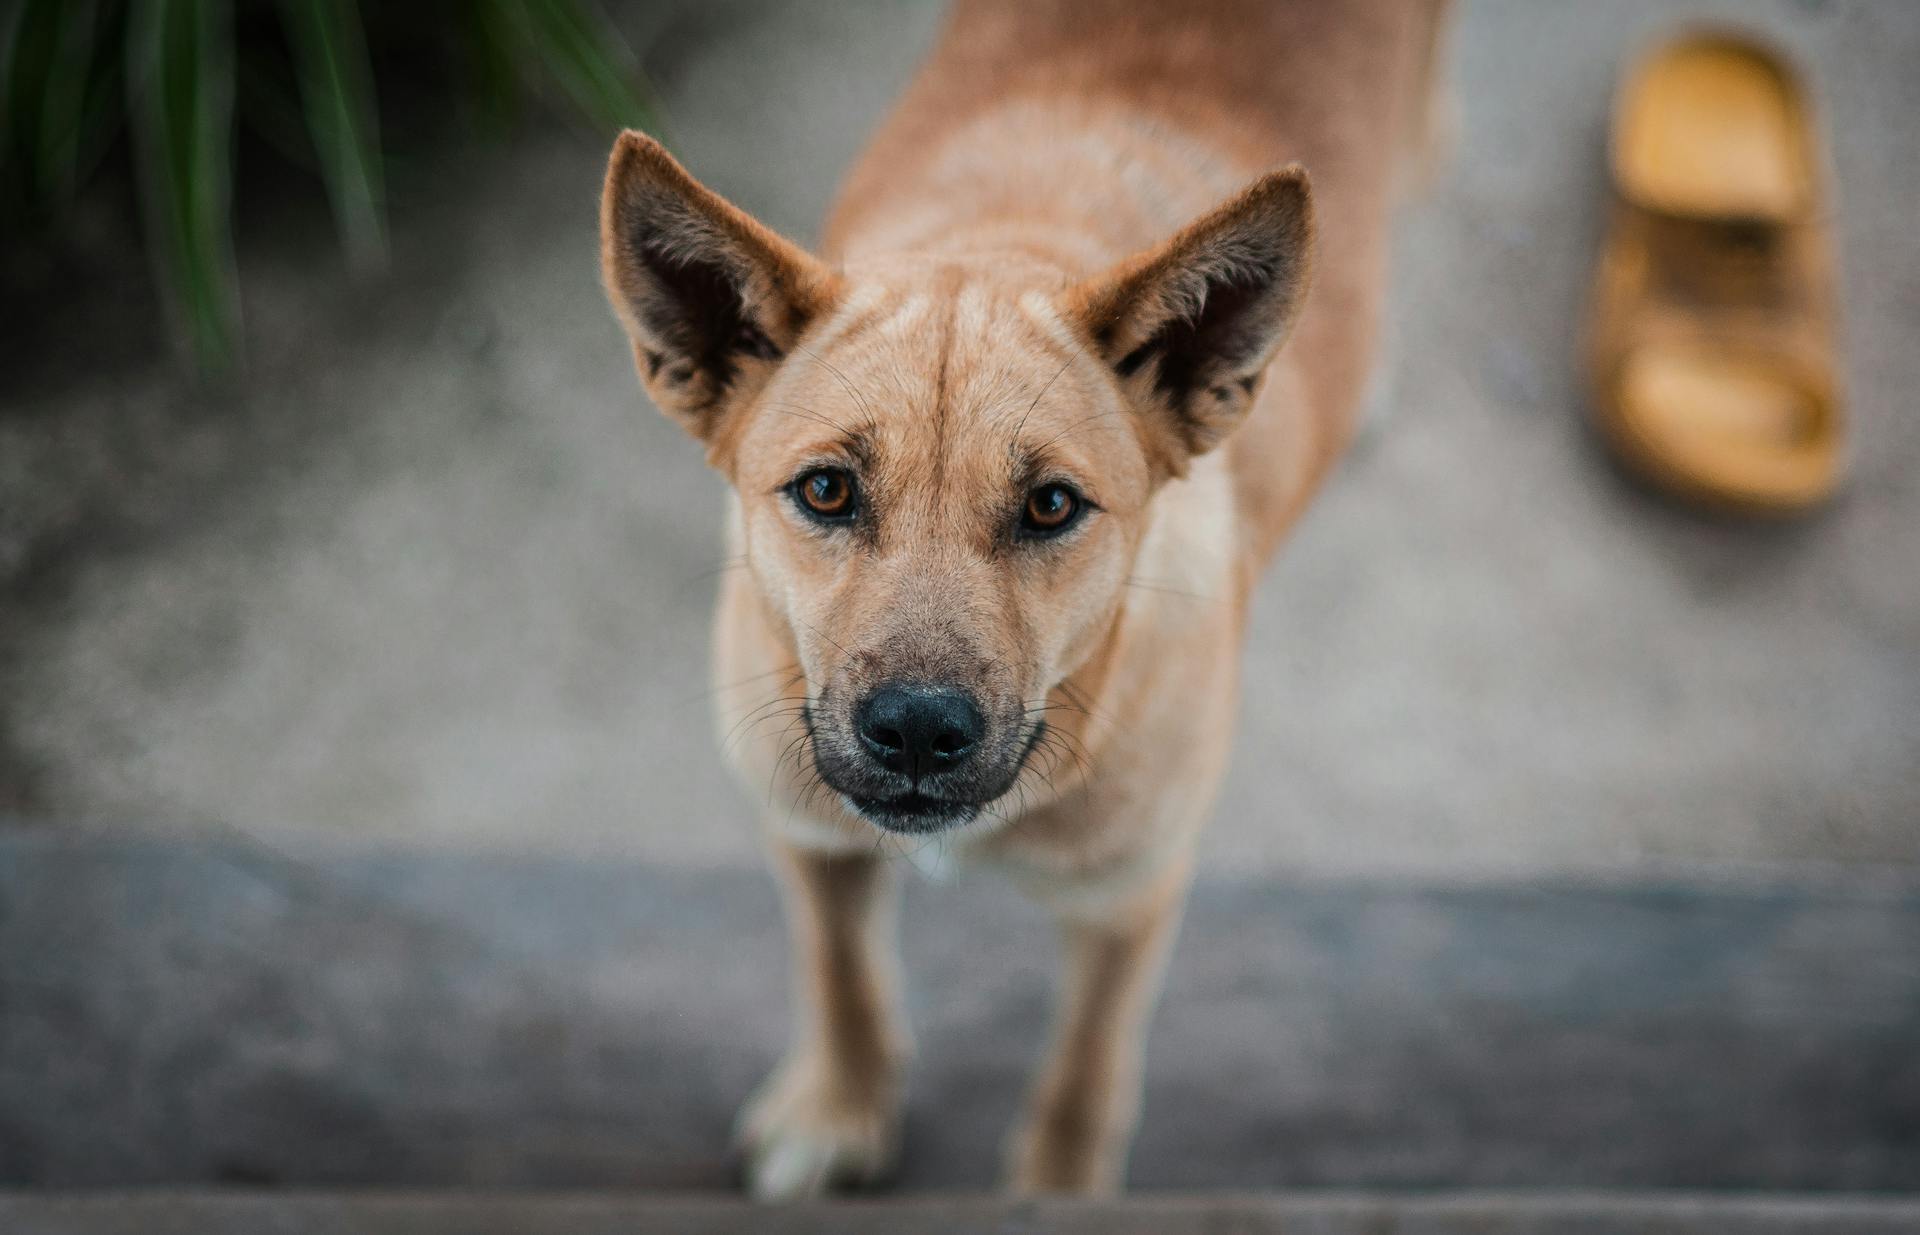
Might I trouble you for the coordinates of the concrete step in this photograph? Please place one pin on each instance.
(1464, 1214)
(193, 1015)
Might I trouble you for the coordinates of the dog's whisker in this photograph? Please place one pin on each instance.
(1145, 586)
(824, 635)
(1041, 395)
(794, 670)
(790, 749)
(1084, 420)
(840, 377)
(806, 413)
(1078, 698)
(737, 562)
(773, 709)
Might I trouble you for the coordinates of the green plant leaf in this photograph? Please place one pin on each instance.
(336, 86)
(13, 20)
(103, 112)
(585, 56)
(59, 98)
(65, 96)
(63, 100)
(268, 105)
(180, 106)
(26, 37)
(491, 38)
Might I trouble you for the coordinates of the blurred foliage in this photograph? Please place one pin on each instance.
(163, 83)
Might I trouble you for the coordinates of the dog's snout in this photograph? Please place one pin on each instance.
(918, 731)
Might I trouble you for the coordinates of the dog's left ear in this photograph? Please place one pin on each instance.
(711, 297)
(1190, 326)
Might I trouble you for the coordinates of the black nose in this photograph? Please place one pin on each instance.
(919, 730)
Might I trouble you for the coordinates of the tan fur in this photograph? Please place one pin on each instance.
(1072, 254)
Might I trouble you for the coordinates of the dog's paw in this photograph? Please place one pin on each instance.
(1048, 1156)
(802, 1136)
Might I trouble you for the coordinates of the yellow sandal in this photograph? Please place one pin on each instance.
(1711, 343)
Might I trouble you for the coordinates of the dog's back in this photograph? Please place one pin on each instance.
(1075, 132)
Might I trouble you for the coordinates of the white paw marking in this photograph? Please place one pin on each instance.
(800, 1142)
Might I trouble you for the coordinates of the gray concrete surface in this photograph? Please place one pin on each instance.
(431, 571)
(193, 1015)
(338, 1214)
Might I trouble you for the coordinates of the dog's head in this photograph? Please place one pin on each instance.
(943, 465)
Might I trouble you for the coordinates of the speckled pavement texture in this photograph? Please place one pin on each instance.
(226, 1015)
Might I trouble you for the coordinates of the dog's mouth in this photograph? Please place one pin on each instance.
(914, 812)
(914, 809)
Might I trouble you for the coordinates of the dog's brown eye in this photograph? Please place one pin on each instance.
(1050, 509)
(827, 493)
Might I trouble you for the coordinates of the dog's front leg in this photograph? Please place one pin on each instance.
(829, 1115)
(1086, 1099)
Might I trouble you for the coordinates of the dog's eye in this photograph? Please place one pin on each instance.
(1050, 510)
(826, 493)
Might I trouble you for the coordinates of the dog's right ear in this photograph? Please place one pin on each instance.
(711, 298)
(1190, 326)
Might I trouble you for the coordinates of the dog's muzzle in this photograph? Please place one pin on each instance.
(918, 758)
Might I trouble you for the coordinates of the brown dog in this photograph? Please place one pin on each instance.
(995, 569)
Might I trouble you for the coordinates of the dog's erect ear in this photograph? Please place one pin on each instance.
(711, 298)
(1190, 326)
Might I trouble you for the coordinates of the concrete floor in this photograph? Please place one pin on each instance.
(431, 572)
(200, 1015)
(332, 1213)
